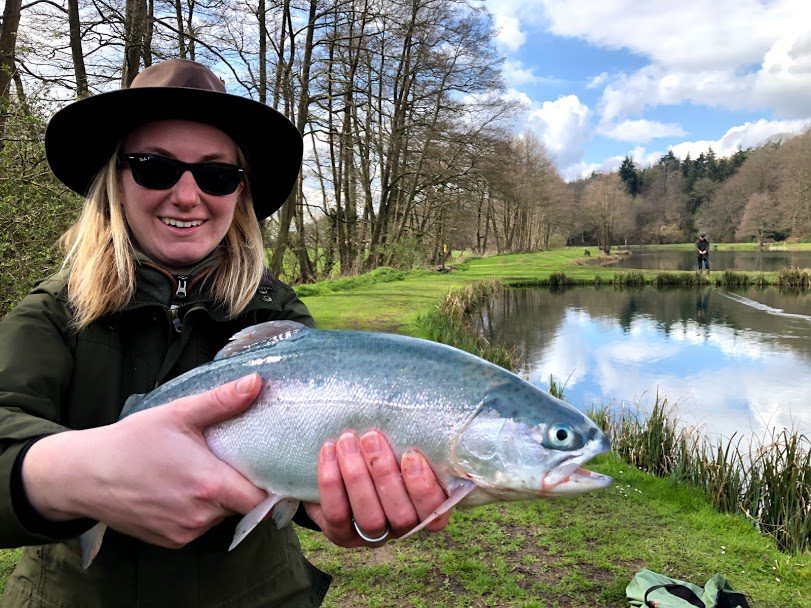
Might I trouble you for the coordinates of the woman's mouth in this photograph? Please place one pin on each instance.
(175, 223)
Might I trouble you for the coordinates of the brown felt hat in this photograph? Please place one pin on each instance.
(82, 136)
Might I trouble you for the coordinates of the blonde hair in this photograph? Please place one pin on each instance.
(100, 255)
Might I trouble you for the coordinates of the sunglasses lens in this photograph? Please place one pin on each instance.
(217, 178)
(155, 172)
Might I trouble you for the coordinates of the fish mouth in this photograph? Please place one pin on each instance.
(576, 481)
(569, 477)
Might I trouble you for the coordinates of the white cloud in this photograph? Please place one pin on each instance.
(740, 137)
(654, 86)
(515, 74)
(706, 33)
(563, 125)
(641, 131)
(784, 80)
(597, 81)
(581, 169)
(509, 31)
(747, 135)
(518, 96)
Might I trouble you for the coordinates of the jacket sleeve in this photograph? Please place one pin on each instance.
(36, 364)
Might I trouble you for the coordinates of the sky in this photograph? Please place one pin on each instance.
(602, 79)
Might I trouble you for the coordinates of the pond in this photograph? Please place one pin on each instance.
(759, 261)
(729, 361)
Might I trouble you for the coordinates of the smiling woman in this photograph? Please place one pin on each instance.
(163, 266)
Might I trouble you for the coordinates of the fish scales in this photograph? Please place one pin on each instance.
(489, 434)
(324, 382)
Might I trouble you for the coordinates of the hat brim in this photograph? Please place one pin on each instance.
(82, 136)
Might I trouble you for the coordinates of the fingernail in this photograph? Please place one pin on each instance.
(245, 385)
(412, 463)
(328, 452)
(349, 443)
(371, 442)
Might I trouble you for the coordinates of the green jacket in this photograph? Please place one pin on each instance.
(53, 379)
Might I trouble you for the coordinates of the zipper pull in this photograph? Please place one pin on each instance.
(181, 285)
(178, 324)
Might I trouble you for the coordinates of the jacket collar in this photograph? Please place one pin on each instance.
(154, 284)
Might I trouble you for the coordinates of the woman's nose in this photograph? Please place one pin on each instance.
(186, 191)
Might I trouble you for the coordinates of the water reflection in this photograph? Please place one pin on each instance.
(730, 361)
(759, 261)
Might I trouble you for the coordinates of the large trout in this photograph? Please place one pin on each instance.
(488, 434)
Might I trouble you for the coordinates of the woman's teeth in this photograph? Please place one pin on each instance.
(179, 224)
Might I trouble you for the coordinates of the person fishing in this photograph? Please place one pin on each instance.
(165, 263)
(703, 252)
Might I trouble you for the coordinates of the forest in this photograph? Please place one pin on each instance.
(413, 148)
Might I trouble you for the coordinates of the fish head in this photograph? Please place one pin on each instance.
(524, 443)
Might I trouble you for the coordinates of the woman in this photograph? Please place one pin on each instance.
(163, 266)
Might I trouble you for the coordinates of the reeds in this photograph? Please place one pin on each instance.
(730, 278)
(793, 277)
(627, 278)
(450, 323)
(768, 480)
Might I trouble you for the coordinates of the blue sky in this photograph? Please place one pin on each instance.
(599, 79)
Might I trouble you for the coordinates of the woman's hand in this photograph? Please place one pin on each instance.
(150, 475)
(360, 479)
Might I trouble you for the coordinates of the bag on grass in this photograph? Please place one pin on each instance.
(651, 590)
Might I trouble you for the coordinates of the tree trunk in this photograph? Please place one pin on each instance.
(134, 30)
(263, 50)
(181, 29)
(76, 48)
(146, 53)
(8, 45)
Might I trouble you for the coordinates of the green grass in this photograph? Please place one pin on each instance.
(571, 552)
(8, 559)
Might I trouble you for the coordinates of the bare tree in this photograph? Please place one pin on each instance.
(760, 218)
(607, 205)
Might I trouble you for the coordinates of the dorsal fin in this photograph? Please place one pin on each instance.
(260, 336)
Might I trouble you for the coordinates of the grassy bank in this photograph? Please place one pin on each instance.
(569, 553)
(767, 480)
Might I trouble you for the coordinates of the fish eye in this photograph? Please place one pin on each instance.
(561, 436)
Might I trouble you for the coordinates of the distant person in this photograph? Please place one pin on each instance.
(703, 251)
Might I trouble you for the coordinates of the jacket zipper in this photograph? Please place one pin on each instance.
(180, 293)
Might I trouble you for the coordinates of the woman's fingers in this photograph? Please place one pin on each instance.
(365, 506)
(423, 488)
(361, 480)
(399, 511)
(333, 515)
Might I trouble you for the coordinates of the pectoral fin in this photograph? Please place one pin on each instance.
(90, 542)
(284, 512)
(460, 489)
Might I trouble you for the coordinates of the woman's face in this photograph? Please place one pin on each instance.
(181, 225)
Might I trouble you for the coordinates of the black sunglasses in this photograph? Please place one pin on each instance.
(161, 172)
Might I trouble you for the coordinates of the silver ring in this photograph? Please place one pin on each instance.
(368, 539)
